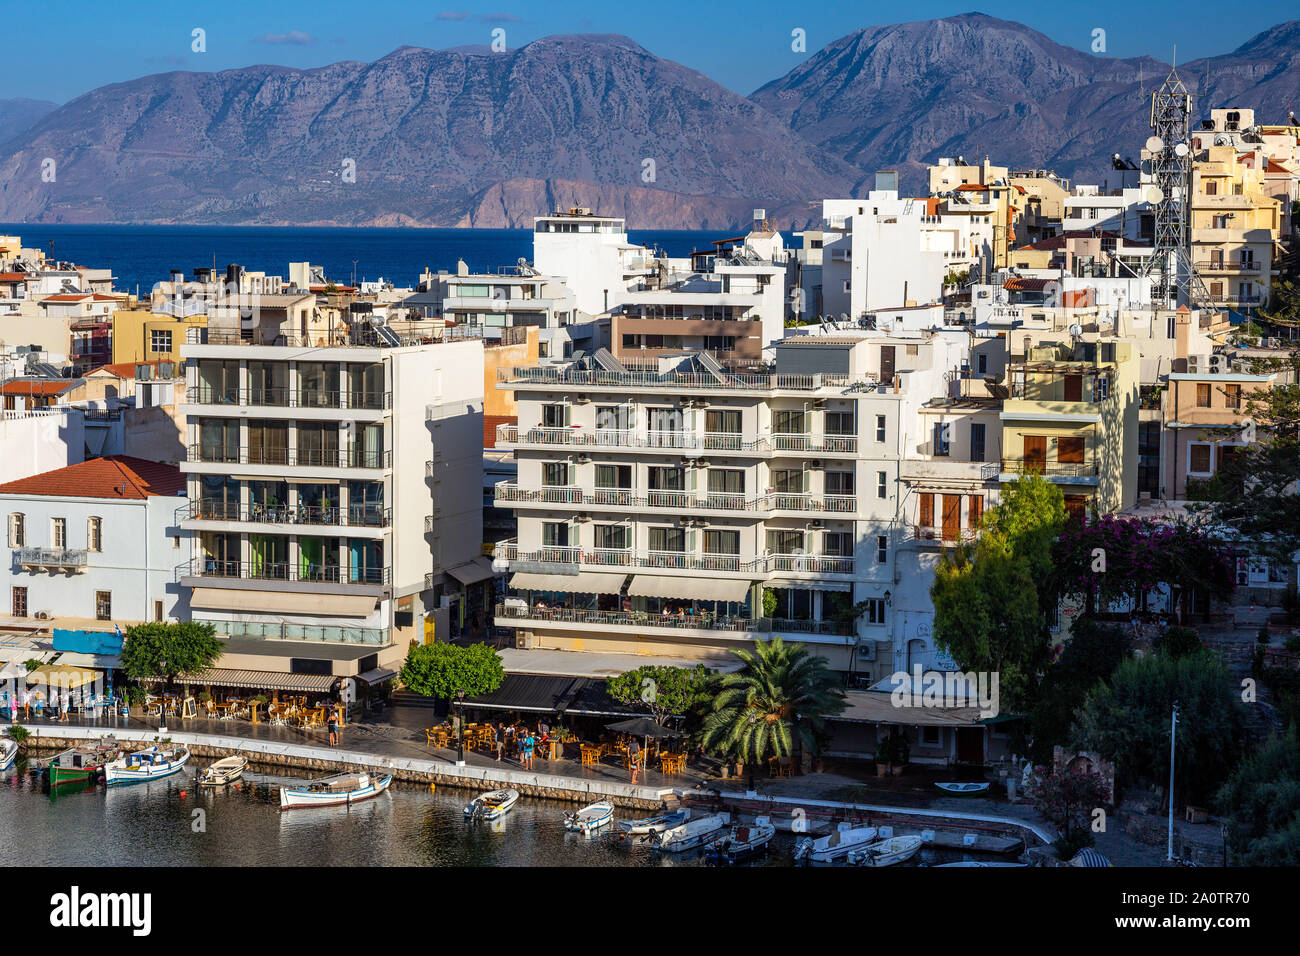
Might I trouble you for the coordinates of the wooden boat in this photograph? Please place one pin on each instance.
(963, 787)
(693, 834)
(81, 764)
(743, 843)
(224, 771)
(152, 763)
(648, 826)
(491, 805)
(8, 753)
(841, 843)
(590, 818)
(338, 790)
(886, 852)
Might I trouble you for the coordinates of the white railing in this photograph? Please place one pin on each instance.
(508, 552)
(509, 491)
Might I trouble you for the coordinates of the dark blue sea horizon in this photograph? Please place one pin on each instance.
(141, 255)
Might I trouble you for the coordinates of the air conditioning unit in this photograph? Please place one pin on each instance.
(584, 460)
(523, 641)
(815, 463)
(43, 615)
(867, 651)
(1217, 364)
(816, 523)
(1196, 364)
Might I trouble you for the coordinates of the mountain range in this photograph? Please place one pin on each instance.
(469, 137)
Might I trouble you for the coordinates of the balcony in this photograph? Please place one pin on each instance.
(1239, 268)
(818, 444)
(568, 378)
(949, 469)
(507, 613)
(283, 397)
(288, 572)
(51, 559)
(509, 491)
(357, 516)
(291, 457)
(507, 552)
(1048, 468)
(924, 534)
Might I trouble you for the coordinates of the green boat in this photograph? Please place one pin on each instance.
(81, 764)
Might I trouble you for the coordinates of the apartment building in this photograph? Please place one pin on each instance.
(512, 296)
(1124, 212)
(143, 335)
(591, 255)
(334, 501)
(1042, 211)
(95, 541)
(986, 190)
(684, 510)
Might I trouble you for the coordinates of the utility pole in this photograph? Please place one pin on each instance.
(1173, 736)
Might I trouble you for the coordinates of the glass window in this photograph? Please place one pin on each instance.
(880, 428)
(841, 423)
(722, 422)
(17, 530)
(837, 544)
(611, 536)
(103, 605)
(941, 432)
(785, 542)
(839, 483)
(788, 482)
(666, 478)
(977, 442)
(58, 532)
(616, 417)
(555, 474)
(789, 421)
(94, 534)
(882, 548)
(1198, 459)
(727, 481)
(882, 485)
(555, 415)
(555, 534)
(613, 476)
(160, 340)
(722, 542)
(669, 539)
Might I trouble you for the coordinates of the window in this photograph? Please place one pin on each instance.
(670, 539)
(941, 432)
(555, 534)
(20, 602)
(882, 548)
(17, 530)
(555, 473)
(882, 485)
(613, 476)
(663, 419)
(785, 542)
(1202, 396)
(975, 512)
(837, 544)
(1232, 396)
(157, 610)
(1198, 459)
(930, 736)
(58, 532)
(788, 482)
(875, 612)
(913, 350)
(555, 416)
(1069, 451)
(981, 364)
(722, 542)
(616, 417)
(841, 423)
(664, 478)
(926, 517)
(176, 542)
(789, 422)
(839, 483)
(722, 422)
(160, 340)
(880, 428)
(977, 441)
(730, 481)
(611, 537)
(94, 534)
(1211, 187)
(103, 605)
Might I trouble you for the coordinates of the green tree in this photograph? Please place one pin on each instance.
(783, 696)
(1067, 798)
(1088, 658)
(663, 691)
(169, 650)
(1127, 720)
(992, 599)
(440, 670)
(1261, 804)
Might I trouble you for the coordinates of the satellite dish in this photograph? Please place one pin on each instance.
(1076, 330)
(1155, 195)
(1180, 150)
(1155, 144)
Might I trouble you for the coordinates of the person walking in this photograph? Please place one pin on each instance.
(498, 743)
(334, 727)
(529, 743)
(634, 757)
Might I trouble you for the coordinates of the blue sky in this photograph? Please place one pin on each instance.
(62, 48)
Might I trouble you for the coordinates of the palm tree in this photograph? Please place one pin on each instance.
(783, 695)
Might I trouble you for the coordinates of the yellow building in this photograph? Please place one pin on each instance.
(140, 335)
(1072, 417)
(984, 189)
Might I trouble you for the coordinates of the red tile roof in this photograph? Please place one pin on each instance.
(13, 276)
(54, 386)
(66, 297)
(1017, 284)
(127, 369)
(119, 477)
(490, 423)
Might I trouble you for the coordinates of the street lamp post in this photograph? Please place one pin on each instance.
(460, 728)
(1173, 734)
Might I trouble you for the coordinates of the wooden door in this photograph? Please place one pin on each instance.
(951, 517)
(970, 745)
(926, 518)
(887, 363)
(1074, 388)
(1036, 453)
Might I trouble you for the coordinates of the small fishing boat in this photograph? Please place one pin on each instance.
(841, 843)
(152, 763)
(224, 771)
(8, 753)
(648, 826)
(491, 805)
(743, 843)
(590, 818)
(963, 787)
(886, 852)
(81, 764)
(337, 790)
(693, 834)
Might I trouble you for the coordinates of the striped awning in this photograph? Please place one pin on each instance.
(261, 680)
(689, 588)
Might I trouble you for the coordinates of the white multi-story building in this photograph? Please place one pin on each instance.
(334, 491)
(685, 510)
(591, 255)
(95, 541)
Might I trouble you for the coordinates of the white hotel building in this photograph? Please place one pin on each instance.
(657, 506)
(334, 498)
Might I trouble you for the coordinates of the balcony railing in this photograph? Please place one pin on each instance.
(55, 559)
(1038, 466)
(306, 458)
(685, 440)
(683, 622)
(820, 444)
(362, 516)
(924, 533)
(675, 381)
(283, 397)
(509, 491)
(304, 632)
(508, 552)
(288, 571)
(1212, 265)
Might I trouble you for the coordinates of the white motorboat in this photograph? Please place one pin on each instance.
(224, 771)
(963, 787)
(590, 818)
(340, 789)
(886, 852)
(491, 805)
(841, 843)
(742, 843)
(649, 826)
(693, 833)
(152, 763)
(8, 753)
